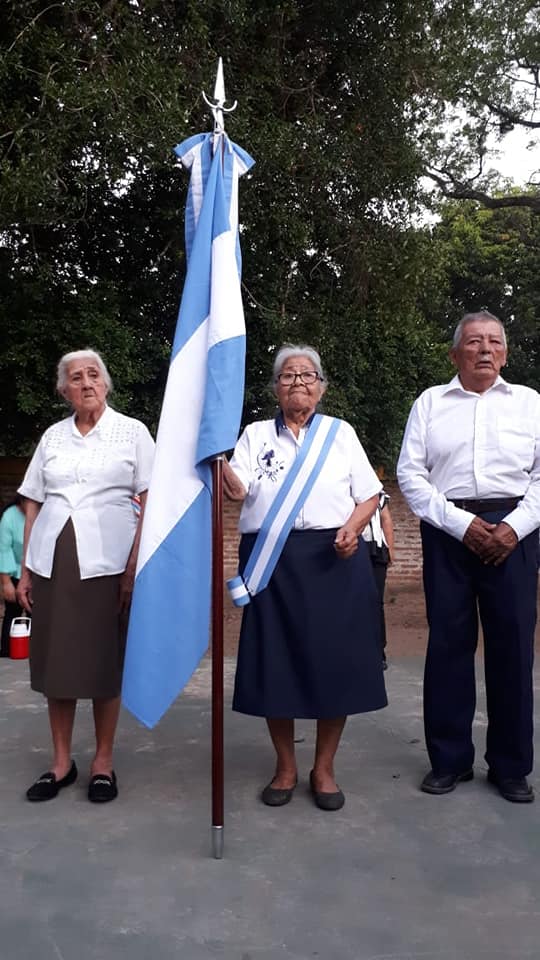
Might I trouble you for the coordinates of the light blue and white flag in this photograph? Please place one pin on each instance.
(170, 612)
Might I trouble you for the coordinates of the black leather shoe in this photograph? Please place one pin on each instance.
(516, 790)
(277, 796)
(47, 787)
(444, 782)
(102, 788)
(326, 801)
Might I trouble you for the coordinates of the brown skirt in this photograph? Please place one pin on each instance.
(78, 638)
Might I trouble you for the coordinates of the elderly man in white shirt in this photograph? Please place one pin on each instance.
(470, 469)
(81, 543)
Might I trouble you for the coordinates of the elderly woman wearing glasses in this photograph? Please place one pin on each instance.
(309, 643)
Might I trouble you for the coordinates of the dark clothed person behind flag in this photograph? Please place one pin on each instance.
(300, 653)
(379, 536)
(470, 469)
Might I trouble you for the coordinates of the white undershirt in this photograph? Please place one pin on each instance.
(464, 445)
(265, 452)
(90, 479)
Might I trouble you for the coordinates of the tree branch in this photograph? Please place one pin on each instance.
(509, 115)
(31, 23)
(457, 190)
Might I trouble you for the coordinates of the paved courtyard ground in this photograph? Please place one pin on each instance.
(395, 875)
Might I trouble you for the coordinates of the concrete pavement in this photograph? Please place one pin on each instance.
(395, 875)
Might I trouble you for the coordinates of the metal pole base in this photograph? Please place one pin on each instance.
(217, 843)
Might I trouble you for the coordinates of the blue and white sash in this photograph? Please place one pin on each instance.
(280, 518)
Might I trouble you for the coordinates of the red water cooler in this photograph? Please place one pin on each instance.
(19, 638)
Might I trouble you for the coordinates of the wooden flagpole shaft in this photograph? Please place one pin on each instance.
(217, 659)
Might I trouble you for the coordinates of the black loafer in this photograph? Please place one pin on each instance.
(517, 790)
(277, 796)
(444, 782)
(47, 787)
(102, 788)
(326, 801)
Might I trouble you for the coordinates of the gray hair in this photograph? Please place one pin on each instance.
(62, 371)
(289, 350)
(484, 316)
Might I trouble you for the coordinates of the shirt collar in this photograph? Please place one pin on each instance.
(281, 425)
(456, 386)
(102, 422)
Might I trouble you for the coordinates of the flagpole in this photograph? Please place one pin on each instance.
(217, 660)
(218, 108)
(183, 522)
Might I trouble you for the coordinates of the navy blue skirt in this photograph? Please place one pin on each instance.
(309, 643)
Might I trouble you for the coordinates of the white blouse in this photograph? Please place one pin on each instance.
(265, 452)
(90, 479)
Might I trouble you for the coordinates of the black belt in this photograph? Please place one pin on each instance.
(486, 506)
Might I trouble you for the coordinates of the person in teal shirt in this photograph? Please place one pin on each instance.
(11, 551)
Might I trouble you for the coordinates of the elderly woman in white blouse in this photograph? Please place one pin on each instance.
(309, 642)
(81, 542)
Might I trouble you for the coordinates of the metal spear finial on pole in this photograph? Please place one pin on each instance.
(218, 107)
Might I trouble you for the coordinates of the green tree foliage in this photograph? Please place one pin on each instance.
(334, 102)
(490, 259)
(478, 78)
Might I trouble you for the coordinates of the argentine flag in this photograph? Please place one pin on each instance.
(170, 611)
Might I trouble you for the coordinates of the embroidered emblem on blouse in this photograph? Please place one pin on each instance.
(267, 464)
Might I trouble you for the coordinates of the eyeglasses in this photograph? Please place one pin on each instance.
(306, 376)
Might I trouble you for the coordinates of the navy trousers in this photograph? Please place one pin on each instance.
(459, 588)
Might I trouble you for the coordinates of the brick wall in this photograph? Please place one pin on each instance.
(407, 567)
(11, 473)
(408, 564)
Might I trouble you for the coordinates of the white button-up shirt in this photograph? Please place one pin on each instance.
(464, 445)
(90, 479)
(265, 452)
